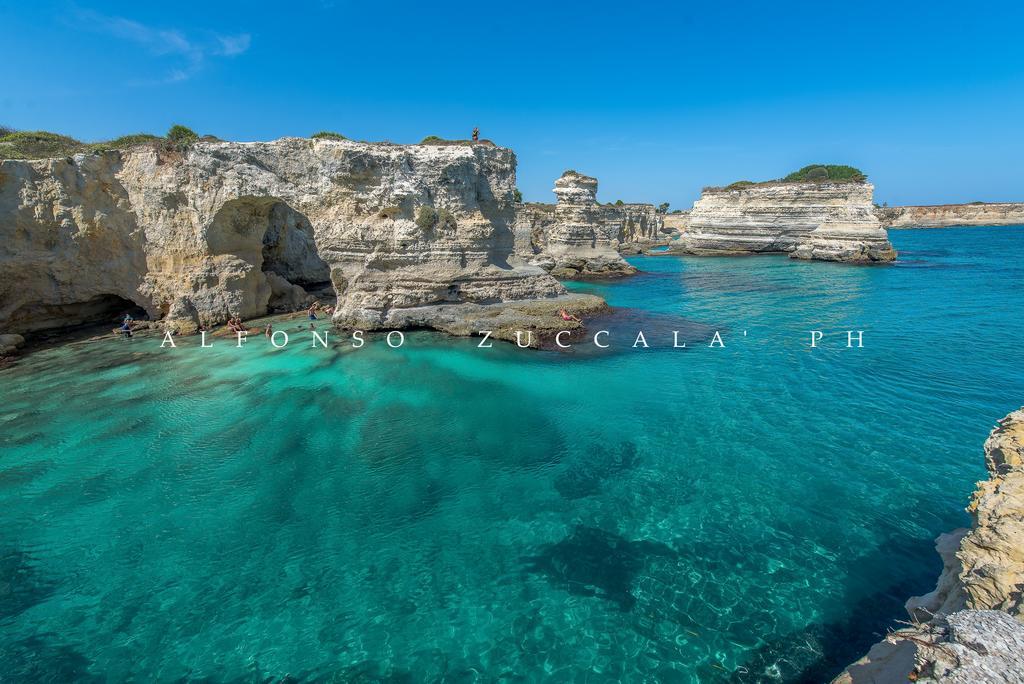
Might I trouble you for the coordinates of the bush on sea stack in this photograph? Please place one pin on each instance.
(826, 173)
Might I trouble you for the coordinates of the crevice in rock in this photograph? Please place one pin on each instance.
(44, 321)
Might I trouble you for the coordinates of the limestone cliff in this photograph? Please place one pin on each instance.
(807, 220)
(676, 223)
(221, 228)
(579, 238)
(964, 631)
(943, 215)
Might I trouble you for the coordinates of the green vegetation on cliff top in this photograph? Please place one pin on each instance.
(45, 145)
(812, 173)
(437, 140)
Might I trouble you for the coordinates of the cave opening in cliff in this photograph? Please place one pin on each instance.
(269, 232)
(41, 322)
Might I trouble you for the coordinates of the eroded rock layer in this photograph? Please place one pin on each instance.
(947, 215)
(971, 627)
(827, 221)
(222, 228)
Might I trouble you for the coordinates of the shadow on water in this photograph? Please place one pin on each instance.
(592, 562)
(39, 659)
(820, 651)
(21, 585)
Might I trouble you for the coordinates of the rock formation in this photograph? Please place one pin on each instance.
(807, 220)
(192, 236)
(965, 629)
(943, 215)
(676, 223)
(579, 238)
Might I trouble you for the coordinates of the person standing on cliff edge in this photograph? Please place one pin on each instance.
(476, 134)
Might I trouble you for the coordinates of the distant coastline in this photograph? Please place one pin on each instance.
(952, 215)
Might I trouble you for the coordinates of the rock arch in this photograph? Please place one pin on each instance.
(277, 242)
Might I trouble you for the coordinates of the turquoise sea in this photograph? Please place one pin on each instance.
(439, 512)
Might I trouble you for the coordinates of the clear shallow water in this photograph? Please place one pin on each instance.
(441, 512)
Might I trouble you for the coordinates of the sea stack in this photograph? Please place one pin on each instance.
(579, 238)
(830, 221)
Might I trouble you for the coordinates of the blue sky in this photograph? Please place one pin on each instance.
(655, 99)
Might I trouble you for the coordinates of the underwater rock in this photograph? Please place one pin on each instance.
(592, 562)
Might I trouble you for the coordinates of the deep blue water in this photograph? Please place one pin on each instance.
(757, 512)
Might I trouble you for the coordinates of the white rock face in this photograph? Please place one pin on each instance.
(945, 215)
(971, 627)
(677, 223)
(579, 238)
(983, 568)
(229, 228)
(828, 221)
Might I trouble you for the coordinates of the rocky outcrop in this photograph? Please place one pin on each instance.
(580, 242)
(827, 221)
(579, 238)
(641, 226)
(984, 566)
(676, 223)
(971, 627)
(223, 228)
(946, 215)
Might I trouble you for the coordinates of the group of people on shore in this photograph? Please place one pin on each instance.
(235, 325)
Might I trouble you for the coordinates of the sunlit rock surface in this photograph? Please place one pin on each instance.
(827, 221)
(943, 215)
(223, 228)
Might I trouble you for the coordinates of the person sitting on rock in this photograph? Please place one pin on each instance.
(476, 134)
(566, 316)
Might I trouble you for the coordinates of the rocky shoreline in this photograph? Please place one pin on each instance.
(428, 235)
(970, 629)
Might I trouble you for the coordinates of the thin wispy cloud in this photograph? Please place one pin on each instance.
(185, 55)
(234, 45)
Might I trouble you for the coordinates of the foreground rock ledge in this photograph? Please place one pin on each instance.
(528, 323)
(970, 629)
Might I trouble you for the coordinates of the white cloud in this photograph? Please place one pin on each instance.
(187, 55)
(234, 45)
